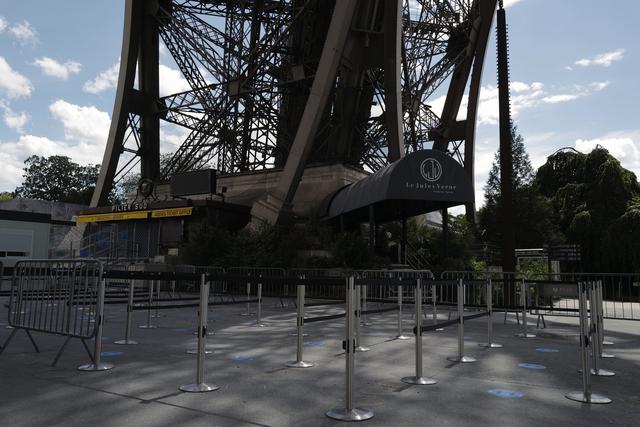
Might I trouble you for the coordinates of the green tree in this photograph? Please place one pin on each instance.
(5, 195)
(59, 179)
(535, 223)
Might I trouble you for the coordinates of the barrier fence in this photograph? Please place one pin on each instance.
(68, 297)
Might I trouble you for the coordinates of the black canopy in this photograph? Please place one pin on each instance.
(421, 182)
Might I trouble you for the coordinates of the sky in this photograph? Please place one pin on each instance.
(573, 67)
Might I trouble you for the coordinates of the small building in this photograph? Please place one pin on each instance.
(23, 235)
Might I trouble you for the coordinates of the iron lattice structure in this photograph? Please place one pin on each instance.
(348, 81)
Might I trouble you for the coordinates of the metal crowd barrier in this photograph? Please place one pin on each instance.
(63, 297)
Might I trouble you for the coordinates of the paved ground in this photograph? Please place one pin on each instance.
(256, 390)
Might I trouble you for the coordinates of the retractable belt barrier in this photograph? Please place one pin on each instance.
(73, 307)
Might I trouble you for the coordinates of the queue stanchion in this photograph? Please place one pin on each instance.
(490, 343)
(418, 379)
(248, 312)
(299, 363)
(434, 304)
(586, 395)
(259, 323)
(149, 325)
(523, 302)
(157, 314)
(359, 347)
(349, 413)
(595, 333)
(97, 364)
(461, 358)
(127, 333)
(173, 289)
(401, 335)
(200, 386)
(603, 342)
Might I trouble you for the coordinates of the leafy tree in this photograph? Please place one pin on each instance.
(59, 179)
(5, 195)
(535, 224)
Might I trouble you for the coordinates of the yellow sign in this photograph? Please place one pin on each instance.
(165, 213)
(116, 216)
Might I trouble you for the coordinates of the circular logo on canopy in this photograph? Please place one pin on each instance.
(431, 169)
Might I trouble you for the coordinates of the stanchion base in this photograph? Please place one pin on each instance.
(607, 343)
(300, 364)
(490, 345)
(439, 329)
(579, 396)
(356, 414)
(258, 325)
(401, 337)
(464, 359)
(607, 355)
(295, 334)
(199, 388)
(208, 332)
(247, 314)
(126, 342)
(195, 351)
(602, 373)
(93, 367)
(366, 323)
(362, 349)
(156, 316)
(148, 326)
(521, 335)
(419, 381)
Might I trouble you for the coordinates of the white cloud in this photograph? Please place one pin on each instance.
(3, 23)
(604, 59)
(171, 80)
(599, 85)
(509, 3)
(15, 121)
(85, 136)
(12, 83)
(556, 99)
(106, 80)
(82, 124)
(623, 145)
(53, 68)
(24, 33)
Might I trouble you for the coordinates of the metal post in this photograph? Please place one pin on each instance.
(595, 332)
(434, 303)
(299, 363)
(248, 312)
(150, 303)
(173, 289)
(349, 413)
(601, 323)
(200, 386)
(156, 287)
(259, 310)
(359, 346)
(418, 379)
(523, 302)
(461, 358)
(585, 396)
(400, 335)
(490, 343)
(127, 333)
(97, 365)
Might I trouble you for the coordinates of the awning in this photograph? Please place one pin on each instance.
(421, 182)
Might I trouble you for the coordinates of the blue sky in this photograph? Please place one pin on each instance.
(573, 72)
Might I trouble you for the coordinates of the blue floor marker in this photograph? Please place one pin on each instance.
(548, 350)
(506, 394)
(243, 358)
(376, 334)
(111, 353)
(314, 343)
(531, 366)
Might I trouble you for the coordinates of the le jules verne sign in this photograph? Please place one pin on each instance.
(432, 171)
